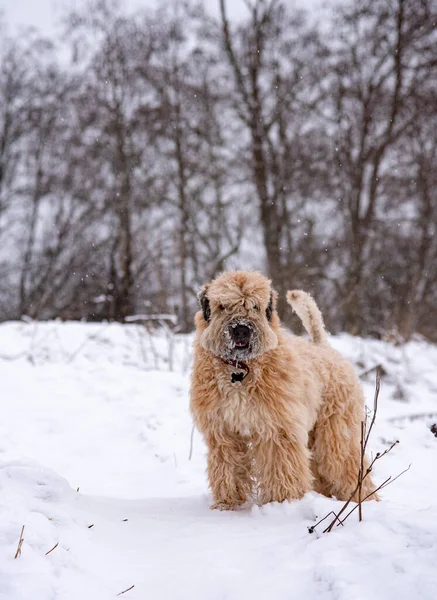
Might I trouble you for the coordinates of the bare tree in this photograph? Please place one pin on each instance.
(175, 145)
(375, 70)
(275, 96)
(15, 69)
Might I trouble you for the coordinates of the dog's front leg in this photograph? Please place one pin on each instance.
(229, 470)
(282, 466)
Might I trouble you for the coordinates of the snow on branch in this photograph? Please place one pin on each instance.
(158, 317)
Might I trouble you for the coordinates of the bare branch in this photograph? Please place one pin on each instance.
(20, 543)
(51, 549)
(128, 590)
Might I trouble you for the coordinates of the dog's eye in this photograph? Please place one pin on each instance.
(256, 307)
(221, 307)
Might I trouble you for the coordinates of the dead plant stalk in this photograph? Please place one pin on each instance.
(362, 472)
(20, 543)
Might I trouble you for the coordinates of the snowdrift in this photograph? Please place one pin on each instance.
(94, 462)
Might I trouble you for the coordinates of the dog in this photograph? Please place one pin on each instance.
(280, 415)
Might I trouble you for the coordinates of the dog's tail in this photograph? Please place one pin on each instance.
(308, 312)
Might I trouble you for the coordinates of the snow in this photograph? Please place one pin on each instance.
(95, 431)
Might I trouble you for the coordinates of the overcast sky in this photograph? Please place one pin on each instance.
(44, 14)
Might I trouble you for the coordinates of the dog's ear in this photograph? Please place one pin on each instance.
(204, 303)
(271, 305)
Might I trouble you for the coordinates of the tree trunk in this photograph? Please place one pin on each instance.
(27, 259)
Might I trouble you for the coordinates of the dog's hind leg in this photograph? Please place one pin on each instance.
(336, 455)
(229, 471)
(319, 484)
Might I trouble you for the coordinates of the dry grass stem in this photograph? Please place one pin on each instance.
(377, 367)
(362, 473)
(383, 485)
(51, 549)
(20, 543)
(191, 443)
(128, 590)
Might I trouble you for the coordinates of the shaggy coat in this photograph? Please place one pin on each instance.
(280, 415)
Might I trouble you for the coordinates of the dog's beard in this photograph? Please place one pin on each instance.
(231, 349)
(217, 339)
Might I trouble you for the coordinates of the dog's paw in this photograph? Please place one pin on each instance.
(224, 506)
(375, 497)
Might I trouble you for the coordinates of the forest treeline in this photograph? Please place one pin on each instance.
(145, 152)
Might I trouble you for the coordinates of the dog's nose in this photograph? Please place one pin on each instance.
(240, 333)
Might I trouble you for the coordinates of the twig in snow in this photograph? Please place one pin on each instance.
(362, 473)
(158, 317)
(20, 543)
(128, 590)
(365, 435)
(88, 338)
(375, 406)
(169, 335)
(191, 443)
(152, 346)
(368, 471)
(312, 529)
(186, 357)
(414, 417)
(51, 550)
(140, 332)
(377, 367)
(30, 356)
(383, 485)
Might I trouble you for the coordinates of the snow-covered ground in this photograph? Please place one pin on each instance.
(94, 457)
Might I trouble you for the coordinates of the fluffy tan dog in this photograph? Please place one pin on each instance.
(280, 415)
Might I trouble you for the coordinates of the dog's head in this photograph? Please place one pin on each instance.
(238, 317)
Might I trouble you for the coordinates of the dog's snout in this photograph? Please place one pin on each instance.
(241, 333)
